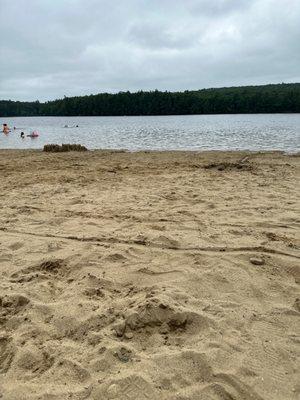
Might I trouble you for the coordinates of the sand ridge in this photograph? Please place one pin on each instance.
(149, 275)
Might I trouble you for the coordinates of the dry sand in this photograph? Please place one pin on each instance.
(170, 276)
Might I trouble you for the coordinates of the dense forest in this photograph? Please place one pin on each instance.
(281, 98)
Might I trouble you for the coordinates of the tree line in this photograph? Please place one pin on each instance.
(278, 98)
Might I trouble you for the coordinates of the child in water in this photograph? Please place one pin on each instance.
(5, 128)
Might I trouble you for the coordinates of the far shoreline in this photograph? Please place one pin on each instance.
(145, 115)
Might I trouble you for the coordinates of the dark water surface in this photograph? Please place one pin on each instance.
(180, 132)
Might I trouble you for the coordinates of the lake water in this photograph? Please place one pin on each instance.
(180, 132)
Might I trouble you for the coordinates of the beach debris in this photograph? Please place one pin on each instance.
(56, 148)
(257, 261)
(123, 354)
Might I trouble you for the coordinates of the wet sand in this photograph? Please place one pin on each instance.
(149, 275)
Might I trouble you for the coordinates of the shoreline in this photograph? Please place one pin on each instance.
(145, 151)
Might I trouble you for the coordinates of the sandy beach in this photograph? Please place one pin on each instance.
(149, 275)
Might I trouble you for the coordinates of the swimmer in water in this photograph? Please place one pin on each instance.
(22, 135)
(5, 128)
(33, 134)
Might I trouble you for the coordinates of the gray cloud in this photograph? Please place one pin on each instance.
(219, 7)
(52, 48)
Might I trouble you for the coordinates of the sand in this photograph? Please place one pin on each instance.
(150, 275)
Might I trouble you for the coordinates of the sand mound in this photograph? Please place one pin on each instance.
(159, 314)
(56, 148)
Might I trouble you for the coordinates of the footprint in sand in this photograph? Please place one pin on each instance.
(5, 258)
(7, 352)
(12, 304)
(68, 371)
(30, 362)
(16, 246)
(46, 268)
(166, 242)
(116, 257)
(190, 375)
(133, 387)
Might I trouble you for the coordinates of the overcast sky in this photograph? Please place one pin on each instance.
(52, 48)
